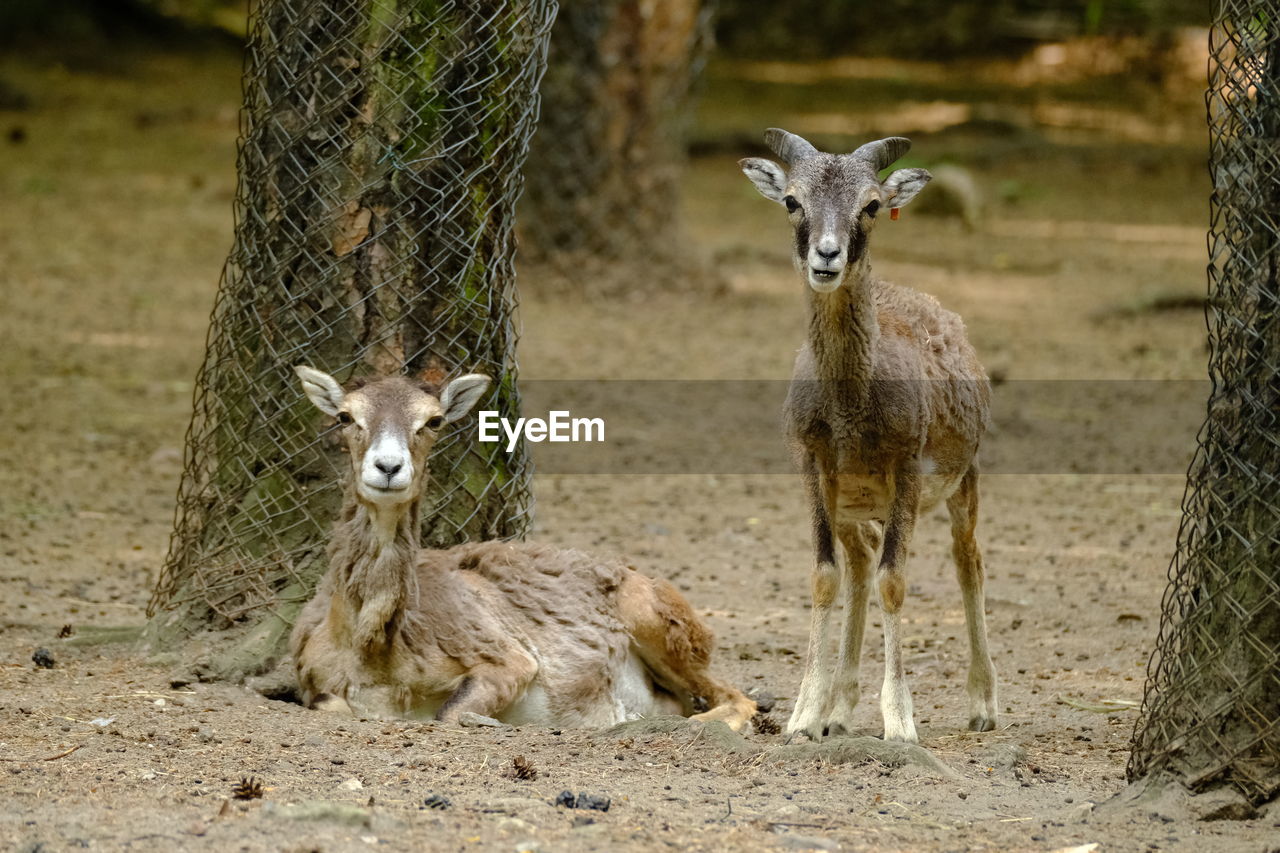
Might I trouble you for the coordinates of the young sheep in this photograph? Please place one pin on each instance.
(888, 403)
(524, 633)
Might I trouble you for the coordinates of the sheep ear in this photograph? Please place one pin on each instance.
(462, 394)
(903, 185)
(767, 176)
(322, 389)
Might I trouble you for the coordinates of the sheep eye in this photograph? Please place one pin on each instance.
(872, 209)
(435, 423)
(345, 418)
(791, 203)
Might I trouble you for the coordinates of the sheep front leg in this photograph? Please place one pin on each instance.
(814, 700)
(895, 696)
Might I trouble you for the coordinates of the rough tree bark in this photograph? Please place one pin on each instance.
(605, 169)
(1212, 712)
(379, 162)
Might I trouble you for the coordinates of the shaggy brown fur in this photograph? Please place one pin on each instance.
(521, 632)
(887, 406)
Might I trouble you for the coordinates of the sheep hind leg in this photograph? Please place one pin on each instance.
(963, 508)
(676, 647)
(490, 689)
(896, 706)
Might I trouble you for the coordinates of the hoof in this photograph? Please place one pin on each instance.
(903, 733)
(801, 736)
(904, 737)
(982, 724)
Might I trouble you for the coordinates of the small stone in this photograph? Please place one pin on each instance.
(514, 824)
(1004, 756)
(473, 720)
(591, 801)
(322, 810)
(439, 802)
(808, 842)
(43, 659)
(765, 701)
(1221, 804)
(785, 813)
(353, 784)
(1081, 813)
(514, 805)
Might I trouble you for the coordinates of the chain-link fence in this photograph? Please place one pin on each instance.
(379, 163)
(1212, 710)
(602, 211)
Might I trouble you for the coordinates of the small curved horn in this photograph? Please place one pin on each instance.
(883, 152)
(788, 146)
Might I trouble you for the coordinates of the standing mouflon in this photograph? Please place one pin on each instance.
(888, 403)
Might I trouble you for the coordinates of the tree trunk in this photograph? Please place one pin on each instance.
(604, 174)
(379, 165)
(1212, 710)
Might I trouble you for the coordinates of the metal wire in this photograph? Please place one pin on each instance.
(1211, 714)
(379, 164)
(601, 214)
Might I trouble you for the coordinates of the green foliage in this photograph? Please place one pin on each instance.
(802, 29)
(22, 21)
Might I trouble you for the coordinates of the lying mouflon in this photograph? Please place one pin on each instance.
(522, 632)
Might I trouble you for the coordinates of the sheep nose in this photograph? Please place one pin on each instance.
(389, 467)
(829, 254)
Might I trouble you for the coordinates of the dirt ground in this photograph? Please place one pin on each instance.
(118, 176)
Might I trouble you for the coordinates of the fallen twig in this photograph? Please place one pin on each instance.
(47, 757)
(63, 754)
(1103, 706)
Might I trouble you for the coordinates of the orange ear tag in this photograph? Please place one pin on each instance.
(893, 214)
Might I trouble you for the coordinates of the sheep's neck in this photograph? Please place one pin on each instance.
(372, 561)
(843, 332)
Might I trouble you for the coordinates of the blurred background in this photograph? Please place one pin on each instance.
(1052, 128)
(1066, 223)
